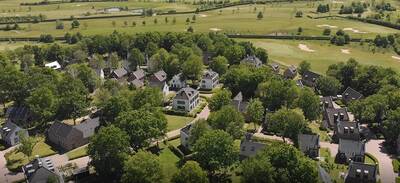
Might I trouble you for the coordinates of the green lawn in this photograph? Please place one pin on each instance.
(176, 122)
(16, 159)
(169, 160)
(396, 165)
(331, 167)
(287, 52)
(77, 153)
(323, 135)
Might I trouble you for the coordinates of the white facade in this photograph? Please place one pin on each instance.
(210, 80)
(53, 65)
(186, 99)
(177, 82)
(165, 89)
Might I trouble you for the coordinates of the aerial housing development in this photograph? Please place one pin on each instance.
(130, 91)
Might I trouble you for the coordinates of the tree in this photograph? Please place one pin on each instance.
(174, 20)
(190, 29)
(75, 24)
(136, 58)
(260, 15)
(255, 111)
(234, 54)
(391, 127)
(147, 97)
(190, 172)
(43, 102)
(114, 60)
(143, 167)
(142, 126)
(194, 18)
(277, 93)
(309, 103)
(59, 24)
(326, 32)
(114, 106)
(262, 54)
(288, 122)
(219, 64)
(26, 143)
(328, 86)
(275, 164)
(187, 20)
(219, 99)
(198, 128)
(85, 74)
(227, 119)
(113, 23)
(193, 67)
(303, 67)
(108, 150)
(215, 151)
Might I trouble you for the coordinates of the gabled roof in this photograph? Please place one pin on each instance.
(238, 97)
(139, 74)
(292, 69)
(275, 66)
(253, 60)
(310, 76)
(186, 129)
(326, 102)
(159, 76)
(332, 113)
(186, 93)
(39, 170)
(53, 65)
(62, 130)
(209, 74)
(351, 147)
(307, 142)
(363, 170)
(348, 127)
(18, 114)
(121, 72)
(137, 83)
(8, 129)
(350, 94)
(88, 126)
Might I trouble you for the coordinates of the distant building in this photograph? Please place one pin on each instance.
(186, 99)
(347, 130)
(159, 80)
(310, 78)
(53, 65)
(112, 10)
(119, 73)
(210, 80)
(137, 75)
(350, 150)
(290, 72)
(178, 82)
(70, 137)
(10, 133)
(361, 172)
(252, 60)
(207, 57)
(275, 67)
(41, 170)
(239, 103)
(309, 145)
(249, 147)
(350, 95)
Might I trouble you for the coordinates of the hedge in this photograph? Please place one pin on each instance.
(176, 151)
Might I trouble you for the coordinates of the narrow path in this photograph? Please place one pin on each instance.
(375, 147)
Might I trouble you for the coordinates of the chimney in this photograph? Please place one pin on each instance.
(346, 130)
(341, 116)
(326, 103)
(366, 172)
(358, 172)
(335, 117)
(351, 129)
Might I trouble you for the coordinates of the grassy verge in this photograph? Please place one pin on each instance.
(77, 153)
(323, 135)
(396, 165)
(370, 159)
(169, 161)
(176, 122)
(331, 167)
(15, 159)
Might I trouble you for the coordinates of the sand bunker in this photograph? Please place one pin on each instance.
(215, 29)
(305, 48)
(396, 58)
(326, 25)
(203, 15)
(354, 30)
(338, 2)
(345, 51)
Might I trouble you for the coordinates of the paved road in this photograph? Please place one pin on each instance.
(5, 175)
(375, 147)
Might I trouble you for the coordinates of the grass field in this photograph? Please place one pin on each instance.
(176, 122)
(287, 52)
(77, 153)
(240, 19)
(168, 160)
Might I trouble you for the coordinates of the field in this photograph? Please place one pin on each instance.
(278, 19)
(287, 52)
(176, 122)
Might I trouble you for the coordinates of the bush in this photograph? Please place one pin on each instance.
(326, 32)
(46, 38)
(176, 151)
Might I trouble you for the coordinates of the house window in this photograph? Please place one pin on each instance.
(253, 148)
(180, 102)
(244, 148)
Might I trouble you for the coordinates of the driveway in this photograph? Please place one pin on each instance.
(5, 175)
(375, 147)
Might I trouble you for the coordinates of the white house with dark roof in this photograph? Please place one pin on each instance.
(361, 172)
(350, 150)
(252, 60)
(185, 135)
(309, 145)
(350, 95)
(41, 170)
(210, 80)
(186, 99)
(249, 147)
(159, 80)
(10, 133)
(178, 82)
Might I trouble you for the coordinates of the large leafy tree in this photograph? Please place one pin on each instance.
(193, 67)
(108, 150)
(43, 102)
(303, 67)
(190, 172)
(198, 128)
(13, 85)
(288, 122)
(142, 126)
(275, 164)
(114, 106)
(391, 127)
(227, 119)
(262, 55)
(309, 103)
(219, 64)
(371, 109)
(234, 54)
(143, 167)
(220, 99)
(136, 58)
(277, 93)
(215, 151)
(26, 144)
(328, 86)
(255, 111)
(150, 96)
(84, 73)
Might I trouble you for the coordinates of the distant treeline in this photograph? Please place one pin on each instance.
(46, 2)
